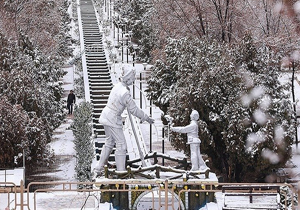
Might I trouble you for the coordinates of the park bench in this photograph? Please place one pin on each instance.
(251, 197)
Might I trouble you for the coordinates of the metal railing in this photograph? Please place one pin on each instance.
(167, 194)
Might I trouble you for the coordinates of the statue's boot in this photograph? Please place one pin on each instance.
(105, 153)
(120, 162)
(202, 164)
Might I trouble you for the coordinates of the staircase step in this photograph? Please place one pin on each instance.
(99, 101)
(100, 88)
(107, 81)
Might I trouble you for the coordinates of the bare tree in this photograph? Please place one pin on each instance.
(39, 20)
(212, 18)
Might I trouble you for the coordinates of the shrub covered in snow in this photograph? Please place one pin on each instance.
(82, 130)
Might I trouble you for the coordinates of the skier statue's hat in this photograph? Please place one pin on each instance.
(128, 71)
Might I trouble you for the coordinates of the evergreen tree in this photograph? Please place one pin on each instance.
(24, 82)
(269, 117)
(210, 78)
(30, 74)
(13, 138)
(82, 130)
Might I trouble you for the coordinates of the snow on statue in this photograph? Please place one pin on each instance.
(193, 140)
(111, 119)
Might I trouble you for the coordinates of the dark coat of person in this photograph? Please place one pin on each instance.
(71, 98)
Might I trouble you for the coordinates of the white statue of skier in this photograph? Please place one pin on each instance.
(111, 119)
(193, 140)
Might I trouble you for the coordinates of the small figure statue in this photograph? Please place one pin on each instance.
(111, 119)
(193, 140)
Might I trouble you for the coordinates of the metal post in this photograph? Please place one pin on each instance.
(112, 16)
(133, 58)
(24, 159)
(118, 29)
(150, 126)
(21, 195)
(114, 31)
(294, 104)
(118, 33)
(122, 43)
(108, 11)
(127, 49)
(141, 94)
(122, 47)
(5, 177)
(169, 125)
(298, 194)
(166, 194)
(133, 90)
(163, 144)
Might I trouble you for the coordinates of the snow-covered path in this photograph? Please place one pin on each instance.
(62, 143)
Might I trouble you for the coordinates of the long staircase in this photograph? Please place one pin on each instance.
(99, 79)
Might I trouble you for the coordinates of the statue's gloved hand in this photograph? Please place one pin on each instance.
(150, 120)
(174, 129)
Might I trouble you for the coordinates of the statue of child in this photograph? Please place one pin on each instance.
(193, 140)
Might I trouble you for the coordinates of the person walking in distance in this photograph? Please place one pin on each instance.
(119, 99)
(70, 101)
